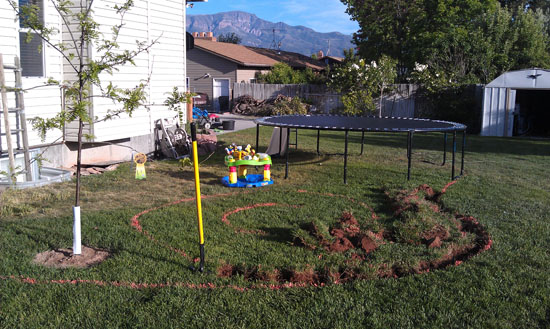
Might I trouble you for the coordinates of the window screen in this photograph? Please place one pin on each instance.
(32, 60)
(31, 53)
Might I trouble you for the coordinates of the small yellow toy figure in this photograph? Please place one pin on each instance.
(140, 160)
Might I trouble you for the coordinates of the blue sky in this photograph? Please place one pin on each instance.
(320, 15)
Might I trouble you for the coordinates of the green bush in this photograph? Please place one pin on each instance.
(289, 106)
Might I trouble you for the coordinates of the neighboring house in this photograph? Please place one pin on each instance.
(331, 60)
(164, 67)
(213, 67)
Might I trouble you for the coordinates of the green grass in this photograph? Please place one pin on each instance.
(506, 187)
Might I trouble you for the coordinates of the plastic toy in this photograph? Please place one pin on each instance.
(204, 119)
(140, 160)
(238, 160)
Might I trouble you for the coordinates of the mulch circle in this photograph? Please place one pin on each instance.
(64, 258)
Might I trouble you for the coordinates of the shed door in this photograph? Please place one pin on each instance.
(221, 95)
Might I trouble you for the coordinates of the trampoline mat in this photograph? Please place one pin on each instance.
(370, 123)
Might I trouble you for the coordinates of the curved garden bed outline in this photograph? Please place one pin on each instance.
(470, 224)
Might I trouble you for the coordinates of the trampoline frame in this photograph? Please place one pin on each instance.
(453, 128)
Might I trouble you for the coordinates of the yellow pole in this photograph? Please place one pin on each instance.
(198, 194)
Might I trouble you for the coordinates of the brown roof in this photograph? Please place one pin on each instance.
(252, 56)
(295, 60)
(235, 53)
(334, 58)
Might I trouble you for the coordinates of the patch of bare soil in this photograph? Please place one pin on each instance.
(64, 258)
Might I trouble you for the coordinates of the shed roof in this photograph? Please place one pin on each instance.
(533, 78)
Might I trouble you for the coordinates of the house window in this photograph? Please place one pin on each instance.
(252, 81)
(31, 53)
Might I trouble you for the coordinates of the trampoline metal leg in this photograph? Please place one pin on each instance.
(454, 156)
(281, 139)
(318, 136)
(463, 146)
(444, 149)
(287, 151)
(346, 159)
(409, 153)
(257, 135)
(362, 141)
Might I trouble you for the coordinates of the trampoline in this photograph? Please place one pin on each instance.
(367, 124)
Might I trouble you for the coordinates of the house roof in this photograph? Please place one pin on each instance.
(334, 58)
(235, 53)
(295, 60)
(258, 57)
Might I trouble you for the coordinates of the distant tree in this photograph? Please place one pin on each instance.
(282, 73)
(230, 38)
(349, 53)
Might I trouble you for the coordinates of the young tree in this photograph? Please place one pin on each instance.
(83, 32)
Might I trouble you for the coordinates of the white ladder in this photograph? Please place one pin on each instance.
(20, 131)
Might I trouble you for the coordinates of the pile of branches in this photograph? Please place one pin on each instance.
(247, 105)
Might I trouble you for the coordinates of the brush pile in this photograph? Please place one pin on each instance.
(281, 104)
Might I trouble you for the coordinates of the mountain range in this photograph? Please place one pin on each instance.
(257, 32)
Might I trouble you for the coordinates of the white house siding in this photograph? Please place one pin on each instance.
(70, 35)
(40, 102)
(163, 65)
(147, 21)
(166, 59)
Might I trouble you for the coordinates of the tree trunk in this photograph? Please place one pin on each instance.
(78, 163)
(380, 101)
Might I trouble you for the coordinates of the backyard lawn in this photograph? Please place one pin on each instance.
(305, 252)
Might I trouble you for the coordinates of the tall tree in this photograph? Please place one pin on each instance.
(467, 41)
(386, 27)
(526, 4)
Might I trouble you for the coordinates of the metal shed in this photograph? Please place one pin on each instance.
(516, 103)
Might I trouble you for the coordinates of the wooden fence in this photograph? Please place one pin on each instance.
(399, 101)
(321, 97)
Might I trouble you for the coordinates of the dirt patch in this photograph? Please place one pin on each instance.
(64, 258)
(435, 237)
(423, 205)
